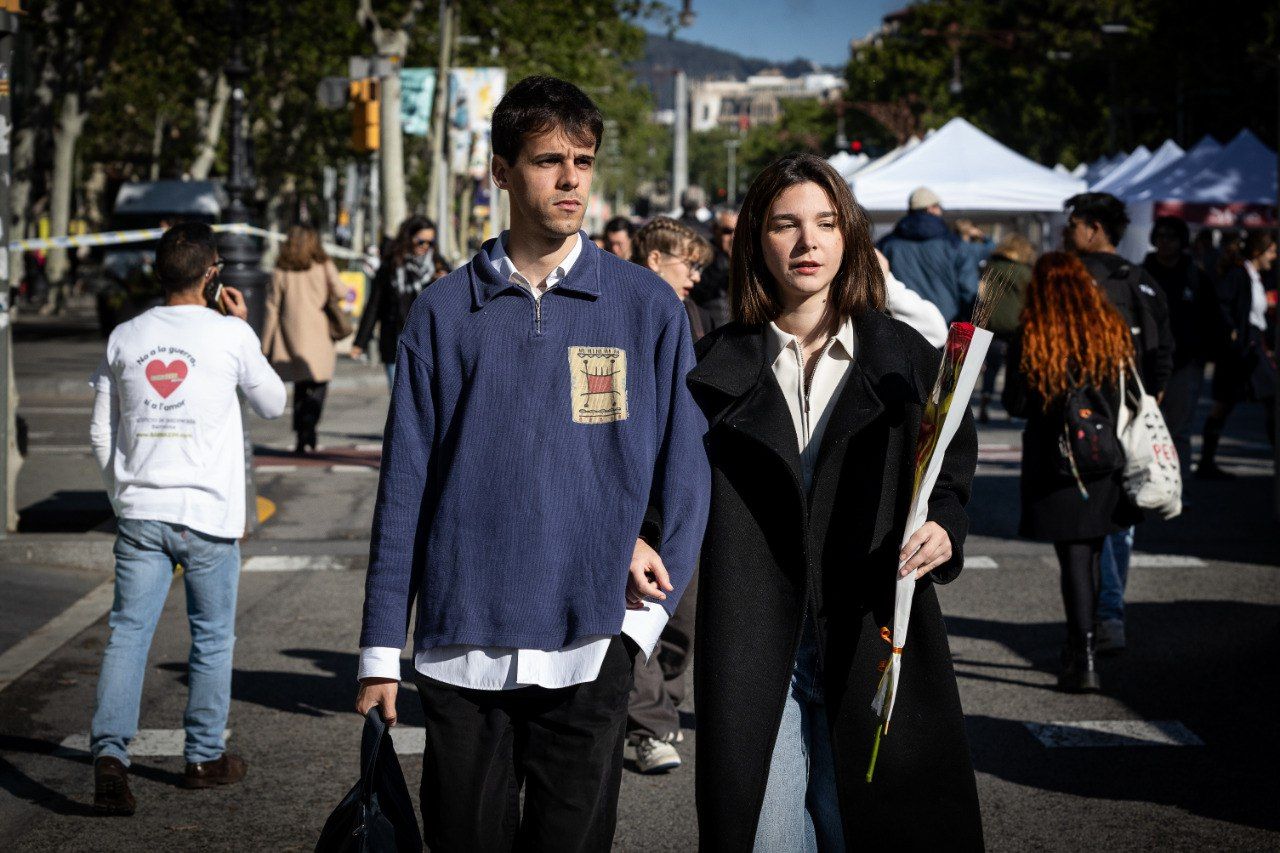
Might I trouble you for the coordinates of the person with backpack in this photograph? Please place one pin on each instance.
(1063, 377)
(1096, 223)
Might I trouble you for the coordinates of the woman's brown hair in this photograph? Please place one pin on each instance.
(301, 249)
(858, 286)
(1071, 333)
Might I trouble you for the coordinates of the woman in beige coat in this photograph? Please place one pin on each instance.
(295, 335)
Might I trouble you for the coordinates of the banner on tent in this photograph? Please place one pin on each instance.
(1234, 215)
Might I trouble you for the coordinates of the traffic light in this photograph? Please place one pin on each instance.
(365, 119)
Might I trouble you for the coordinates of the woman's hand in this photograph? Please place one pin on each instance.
(928, 548)
(647, 577)
(355, 352)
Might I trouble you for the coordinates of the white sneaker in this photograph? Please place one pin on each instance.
(656, 756)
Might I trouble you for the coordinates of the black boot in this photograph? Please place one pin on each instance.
(1079, 672)
(1208, 468)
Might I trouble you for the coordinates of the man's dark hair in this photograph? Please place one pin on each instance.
(1172, 225)
(185, 253)
(620, 223)
(538, 104)
(1101, 209)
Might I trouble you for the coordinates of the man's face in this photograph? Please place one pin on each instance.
(549, 183)
(724, 232)
(618, 243)
(1168, 244)
(1080, 235)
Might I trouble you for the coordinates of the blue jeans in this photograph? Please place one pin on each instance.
(1116, 550)
(146, 553)
(390, 368)
(801, 811)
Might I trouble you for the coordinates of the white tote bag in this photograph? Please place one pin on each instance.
(1152, 475)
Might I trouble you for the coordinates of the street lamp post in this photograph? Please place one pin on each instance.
(242, 252)
(731, 147)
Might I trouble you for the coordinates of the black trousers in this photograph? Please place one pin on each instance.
(1079, 562)
(308, 405)
(564, 747)
(659, 687)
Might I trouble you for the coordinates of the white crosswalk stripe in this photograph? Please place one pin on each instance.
(291, 563)
(980, 563)
(1113, 733)
(150, 743)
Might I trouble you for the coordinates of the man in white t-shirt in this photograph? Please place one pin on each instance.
(168, 437)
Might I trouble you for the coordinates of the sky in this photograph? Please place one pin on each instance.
(819, 30)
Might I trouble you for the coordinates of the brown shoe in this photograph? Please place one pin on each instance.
(227, 770)
(111, 795)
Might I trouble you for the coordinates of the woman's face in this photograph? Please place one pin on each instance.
(422, 241)
(1267, 259)
(679, 271)
(802, 243)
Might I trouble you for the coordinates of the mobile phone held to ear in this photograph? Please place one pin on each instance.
(213, 296)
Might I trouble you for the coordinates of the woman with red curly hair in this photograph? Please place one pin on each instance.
(1064, 371)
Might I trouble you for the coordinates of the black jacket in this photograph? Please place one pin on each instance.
(1142, 304)
(773, 553)
(1194, 317)
(387, 310)
(712, 290)
(1052, 508)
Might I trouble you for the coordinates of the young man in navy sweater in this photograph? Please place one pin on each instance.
(539, 409)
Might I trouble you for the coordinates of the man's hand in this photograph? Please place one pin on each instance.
(647, 577)
(378, 691)
(928, 548)
(355, 352)
(233, 302)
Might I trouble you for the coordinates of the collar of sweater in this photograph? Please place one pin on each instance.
(583, 277)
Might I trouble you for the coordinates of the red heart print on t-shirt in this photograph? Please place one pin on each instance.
(166, 378)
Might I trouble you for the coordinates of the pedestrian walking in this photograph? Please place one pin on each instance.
(694, 212)
(811, 388)
(619, 237)
(1010, 261)
(1196, 322)
(976, 247)
(1096, 223)
(712, 291)
(926, 256)
(167, 436)
(539, 416)
(295, 331)
(409, 264)
(1246, 367)
(1063, 374)
(676, 254)
(906, 305)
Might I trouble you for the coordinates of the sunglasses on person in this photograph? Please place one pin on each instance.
(417, 243)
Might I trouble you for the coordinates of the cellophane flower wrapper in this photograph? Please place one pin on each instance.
(962, 359)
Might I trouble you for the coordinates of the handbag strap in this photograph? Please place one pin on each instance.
(375, 728)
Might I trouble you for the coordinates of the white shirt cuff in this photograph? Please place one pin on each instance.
(379, 662)
(645, 626)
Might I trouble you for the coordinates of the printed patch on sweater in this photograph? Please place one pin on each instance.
(599, 384)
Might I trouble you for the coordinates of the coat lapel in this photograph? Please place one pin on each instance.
(750, 400)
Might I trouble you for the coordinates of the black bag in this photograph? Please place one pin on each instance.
(1089, 446)
(376, 816)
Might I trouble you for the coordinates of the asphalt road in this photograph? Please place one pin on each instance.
(1178, 753)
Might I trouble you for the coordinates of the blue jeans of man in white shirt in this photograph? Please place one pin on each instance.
(801, 811)
(1117, 549)
(146, 553)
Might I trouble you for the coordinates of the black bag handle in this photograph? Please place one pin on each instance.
(370, 748)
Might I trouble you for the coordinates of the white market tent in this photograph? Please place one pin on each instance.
(1118, 176)
(1166, 155)
(1100, 168)
(1156, 185)
(846, 164)
(1242, 172)
(969, 171)
(889, 157)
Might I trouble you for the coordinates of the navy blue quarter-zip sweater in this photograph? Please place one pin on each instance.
(521, 449)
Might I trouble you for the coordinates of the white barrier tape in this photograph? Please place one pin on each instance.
(115, 238)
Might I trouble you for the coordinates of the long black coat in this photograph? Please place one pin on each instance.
(773, 553)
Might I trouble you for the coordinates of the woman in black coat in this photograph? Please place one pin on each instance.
(802, 548)
(1071, 338)
(1246, 368)
(409, 264)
